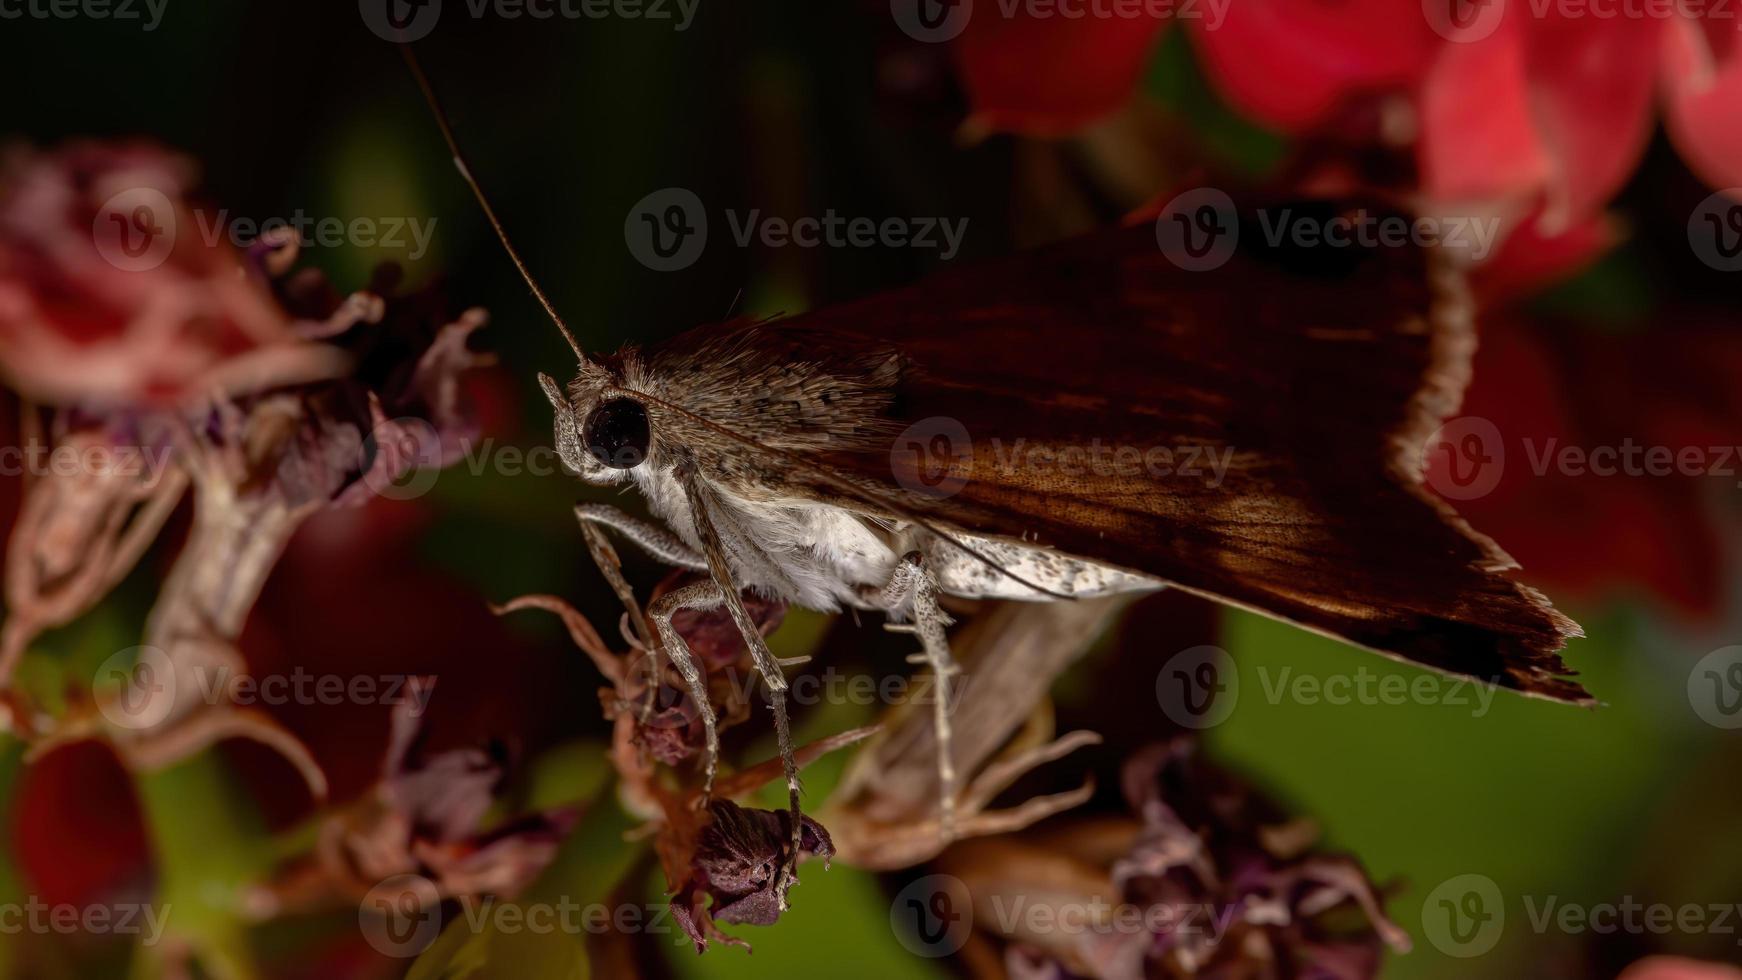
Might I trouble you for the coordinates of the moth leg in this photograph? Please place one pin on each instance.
(592, 517)
(912, 580)
(646, 535)
(702, 506)
(701, 596)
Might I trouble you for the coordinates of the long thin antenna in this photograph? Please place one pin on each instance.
(441, 118)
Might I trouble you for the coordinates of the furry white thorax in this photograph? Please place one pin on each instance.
(824, 557)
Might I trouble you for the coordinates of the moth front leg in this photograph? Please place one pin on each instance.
(705, 507)
(648, 536)
(914, 581)
(656, 541)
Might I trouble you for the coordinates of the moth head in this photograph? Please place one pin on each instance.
(600, 435)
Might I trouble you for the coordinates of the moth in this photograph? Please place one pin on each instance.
(882, 453)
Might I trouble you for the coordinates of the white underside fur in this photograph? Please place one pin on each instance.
(825, 558)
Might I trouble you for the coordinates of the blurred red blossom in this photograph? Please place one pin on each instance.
(270, 392)
(1533, 117)
(1595, 536)
(111, 292)
(1677, 968)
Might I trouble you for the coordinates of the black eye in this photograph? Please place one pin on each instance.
(617, 434)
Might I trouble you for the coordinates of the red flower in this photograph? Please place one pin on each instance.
(1051, 77)
(1676, 968)
(109, 291)
(1537, 120)
(1589, 535)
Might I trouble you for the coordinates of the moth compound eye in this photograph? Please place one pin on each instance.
(617, 434)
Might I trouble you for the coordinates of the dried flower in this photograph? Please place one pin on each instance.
(270, 393)
(1209, 881)
(885, 811)
(737, 857)
(426, 817)
(710, 848)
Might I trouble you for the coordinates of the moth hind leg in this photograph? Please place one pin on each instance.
(913, 581)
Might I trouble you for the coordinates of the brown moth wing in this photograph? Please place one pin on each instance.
(1324, 372)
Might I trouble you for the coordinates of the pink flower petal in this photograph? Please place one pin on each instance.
(1676, 968)
(1592, 89)
(1554, 110)
(1292, 62)
(1703, 102)
(1479, 140)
